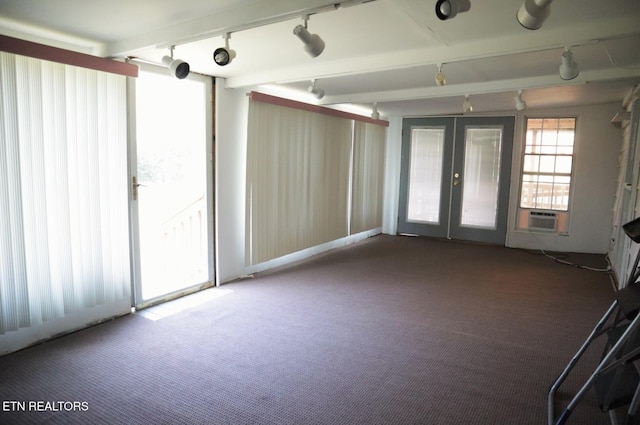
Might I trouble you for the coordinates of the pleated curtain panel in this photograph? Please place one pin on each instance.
(312, 178)
(64, 248)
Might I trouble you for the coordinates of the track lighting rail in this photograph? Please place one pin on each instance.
(306, 13)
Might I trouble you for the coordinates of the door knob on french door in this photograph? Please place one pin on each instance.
(456, 179)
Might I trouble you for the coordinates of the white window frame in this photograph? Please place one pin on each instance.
(560, 217)
(571, 174)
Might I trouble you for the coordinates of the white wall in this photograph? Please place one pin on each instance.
(596, 168)
(392, 176)
(230, 176)
(598, 145)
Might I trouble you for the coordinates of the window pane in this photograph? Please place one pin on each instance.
(567, 124)
(563, 164)
(550, 124)
(534, 124)
(533, 141)
(531, 163)
(565, 138)
(547, 163)
(545, 179)
(561, 196)
(528, 195)
(425, 175)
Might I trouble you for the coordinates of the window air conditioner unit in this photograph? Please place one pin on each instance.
(540, 220)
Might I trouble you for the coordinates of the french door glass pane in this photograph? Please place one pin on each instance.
(425, 175)
(481, 177)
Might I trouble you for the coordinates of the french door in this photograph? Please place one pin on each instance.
(171, 181)
(455, 177)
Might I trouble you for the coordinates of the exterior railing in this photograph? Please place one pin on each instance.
(184, 236)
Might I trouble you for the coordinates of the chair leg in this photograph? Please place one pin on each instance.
(556, 384)
(613, 417)
(607, 361)
(633, 408)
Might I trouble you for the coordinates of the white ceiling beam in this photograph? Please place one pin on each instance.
(232, 20)
(435, 92)
(527, 41)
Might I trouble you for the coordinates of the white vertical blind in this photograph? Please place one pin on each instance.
(63, 196)
(297, 180)
(368, 176)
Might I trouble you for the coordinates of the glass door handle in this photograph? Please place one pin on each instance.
(456, 179)
(134, 187)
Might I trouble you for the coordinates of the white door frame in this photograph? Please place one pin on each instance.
(136, 294)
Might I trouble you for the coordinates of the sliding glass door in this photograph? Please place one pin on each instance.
(171, 186)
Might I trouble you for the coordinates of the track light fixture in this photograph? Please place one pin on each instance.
(568, 68)
(313, 44)
(533, 13)
(224, 55)
(521, 105)
(318, 93)
(374, 111)
(448, 9)
(178, 68)
(440, 78)
(466, 105)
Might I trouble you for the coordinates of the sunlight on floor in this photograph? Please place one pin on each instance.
(176, 306)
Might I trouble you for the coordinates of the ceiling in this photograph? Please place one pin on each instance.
(382, 51)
